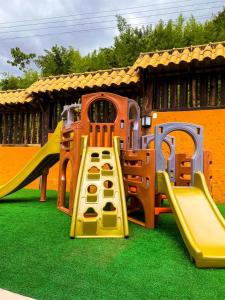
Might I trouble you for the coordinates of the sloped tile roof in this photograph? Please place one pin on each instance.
(116, 76)
(112, 77)
(176, 56)
(14, 97)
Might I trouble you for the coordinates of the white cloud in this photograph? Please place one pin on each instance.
(85, 41)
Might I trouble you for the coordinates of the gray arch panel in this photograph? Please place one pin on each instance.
(68, 114)
(195, 132)
(133, 105)
(171, 142)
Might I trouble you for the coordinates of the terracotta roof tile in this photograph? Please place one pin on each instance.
(176, 56)
(115, 76)
(85, 80)
(14, 97)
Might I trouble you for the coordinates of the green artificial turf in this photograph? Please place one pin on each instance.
(38, 259)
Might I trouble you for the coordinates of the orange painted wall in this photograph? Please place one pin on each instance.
(12, 159)
(213, 122)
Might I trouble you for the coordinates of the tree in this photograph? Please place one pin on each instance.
(128, 44)
(10, 82)
(193, 32)
(104, 58)
(218, 24)
(124, 51)
(59, 60)
(21, 59)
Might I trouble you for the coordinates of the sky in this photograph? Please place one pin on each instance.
(85, 25)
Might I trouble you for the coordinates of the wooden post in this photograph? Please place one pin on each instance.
(44, 123)
(183, 93)
(39, 127)
(148, 84)
(43, 184)
(1, 128)
(193, 98)
(204, 90)
(36, 128)
(222, 93)
(10, 131)
(19, 128)
(173, 93)
(5, 128)
(22, 129)
(28, 135)
(165, 94)
(213, 90)
(33, 126)
(158, 93)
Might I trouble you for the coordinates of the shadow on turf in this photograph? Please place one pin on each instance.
(18, 200)
(167, 226)
(27, 196)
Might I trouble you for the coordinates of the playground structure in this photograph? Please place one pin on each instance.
(112, 164)
(98, 121)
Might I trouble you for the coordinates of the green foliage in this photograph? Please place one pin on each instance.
(58, 60)
(217, 27)
(104, 58)
(193, 33)
(28, 78)
(126, 48)
(10, 82)
(20, 59)
(128, 43)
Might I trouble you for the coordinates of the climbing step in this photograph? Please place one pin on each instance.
(100, 205)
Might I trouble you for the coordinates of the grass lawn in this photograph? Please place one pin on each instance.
(38, 259)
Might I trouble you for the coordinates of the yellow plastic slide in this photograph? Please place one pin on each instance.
(46, 157)
(198, 218)
(100, 204)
